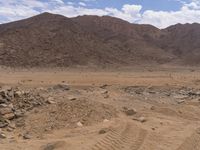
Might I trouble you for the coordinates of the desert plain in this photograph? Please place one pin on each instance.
(80, 109)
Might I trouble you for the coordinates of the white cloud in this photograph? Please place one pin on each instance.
(88, 0)
(59, 1)
(82, 4)
(189, 13)
(130, 13)
(14, 10)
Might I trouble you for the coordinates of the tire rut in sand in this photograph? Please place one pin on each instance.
(128, 138)
(192, 142)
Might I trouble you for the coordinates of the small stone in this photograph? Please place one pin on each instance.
(20, 123)
(12, 126)
(105, 120)
(103, 131)
(72, 98)
(152, 108)
(104, 91)
(180, 96)
(50, 100)
(9, 116)
(3, 105)
(140, 119)
(79, 124)
(19, 113)
(129, 112)
(2, 100)
(18, 93)
(54, 145)
(106, 96)
(5, 110)
(9, 129)
(27, 136)
(3, 124)
(11, 106)
(103, 86)
(61, 87)
(2, 136)
(180, 101)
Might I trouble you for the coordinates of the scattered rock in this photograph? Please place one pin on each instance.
(20, 123)
(180, 101)
(106, 96)
(103, 86)
(19, 113)
(3, 123)
(152, 108)
(50, 100)
(5, 110)
(12, 126)
(104, 92)
(105, 120)
(63, 87)
(72, 98)
(129, 112)
(140, 119)
(9, 129)
(79, 124)
(103, 131)
(3, 105)
(2, 136)
(27, 136)
(54, 145)
(19, 93)
(9, 116)
(181, 96)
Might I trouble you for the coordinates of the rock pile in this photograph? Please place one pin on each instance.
(174, 93)
(15, 102)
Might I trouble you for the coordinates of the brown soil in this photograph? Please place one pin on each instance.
(166, 104)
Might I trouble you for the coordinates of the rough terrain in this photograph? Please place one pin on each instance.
(50, 40)
(100, 110)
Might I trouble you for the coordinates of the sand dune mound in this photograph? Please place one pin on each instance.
(69, 114)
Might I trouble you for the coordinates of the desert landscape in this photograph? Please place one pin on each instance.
(100, 110)
(98, 83)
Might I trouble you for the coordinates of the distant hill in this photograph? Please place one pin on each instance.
(49, 40)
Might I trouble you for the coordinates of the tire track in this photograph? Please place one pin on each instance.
(192, 142)
(128, 138)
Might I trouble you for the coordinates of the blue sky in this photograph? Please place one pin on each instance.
(160, 13)
(147, 4)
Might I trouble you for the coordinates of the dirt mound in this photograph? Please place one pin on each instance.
(69, 114)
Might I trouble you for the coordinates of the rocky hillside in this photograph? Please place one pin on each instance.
(49, 40)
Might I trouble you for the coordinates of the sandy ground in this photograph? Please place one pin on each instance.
(169, 125)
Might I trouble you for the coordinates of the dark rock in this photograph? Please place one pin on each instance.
(2, 136)
(129, 112)
(103, 131)
(9, 116)
(27, 136)
(3, 123)
(63, 87)
(54, 145)
(5, 110)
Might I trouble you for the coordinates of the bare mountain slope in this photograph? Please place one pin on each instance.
(49, 40)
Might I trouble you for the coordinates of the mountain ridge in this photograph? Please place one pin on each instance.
(49, 40)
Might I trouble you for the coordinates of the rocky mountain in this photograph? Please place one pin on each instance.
(50, 40)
